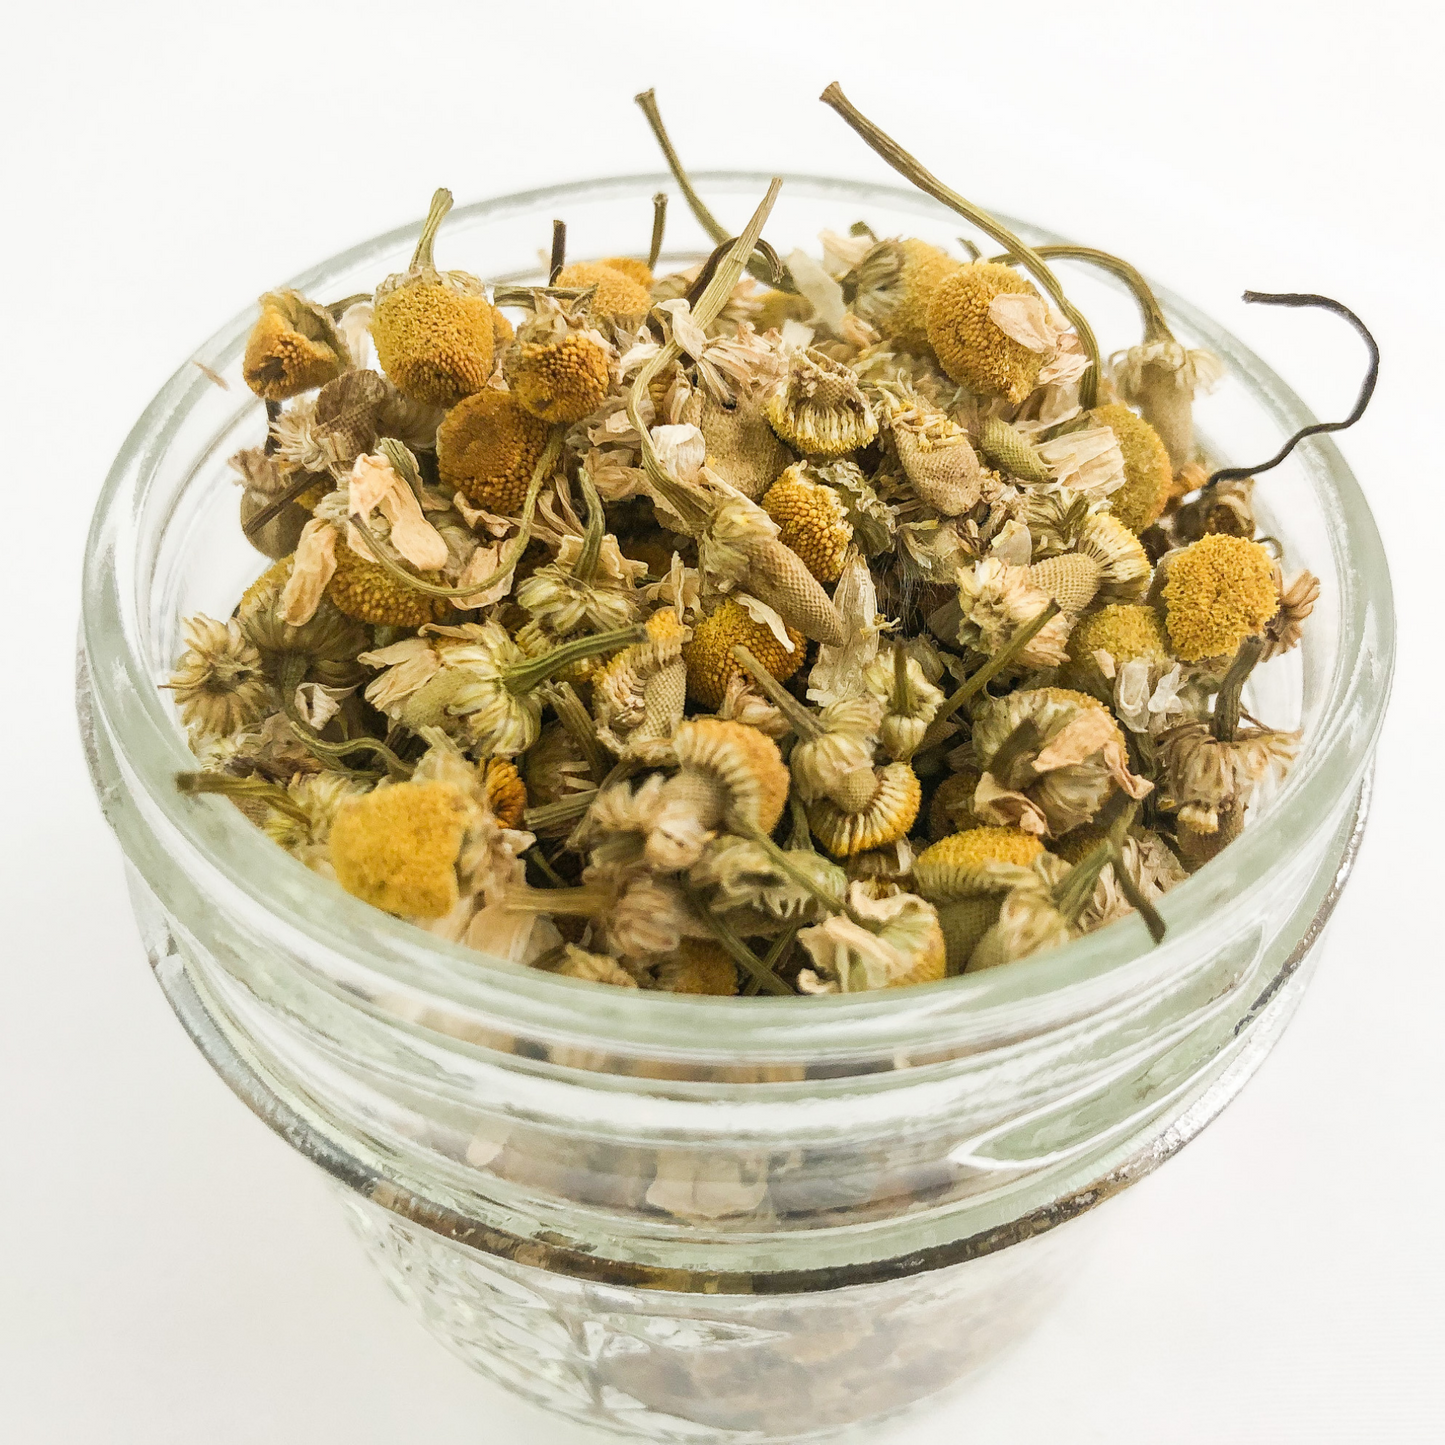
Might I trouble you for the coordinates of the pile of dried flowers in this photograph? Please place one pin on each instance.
(833, 627)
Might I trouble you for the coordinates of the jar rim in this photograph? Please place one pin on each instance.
(217, 843)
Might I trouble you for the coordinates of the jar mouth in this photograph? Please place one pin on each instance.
(220, 848)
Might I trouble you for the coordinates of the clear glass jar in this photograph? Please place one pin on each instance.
(697, 1218)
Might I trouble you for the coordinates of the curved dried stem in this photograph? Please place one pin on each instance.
(441, 203)
(907, 166)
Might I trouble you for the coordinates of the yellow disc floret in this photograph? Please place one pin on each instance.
(292, 348)
(396, 848)
(1147, 470)
(1219, 591)
(978, 846)
(505, 791)
(434, 343)
(632, 268)
(969, 344)
(368, 592)
(709, 656)
(561, 381)
(701, 967)
(617, 294)
(488, 446)
(812, 520)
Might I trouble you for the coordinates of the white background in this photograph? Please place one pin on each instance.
(170, 1271)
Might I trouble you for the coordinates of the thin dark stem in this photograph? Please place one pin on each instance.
(1367, 387)
(559, 252)
(741, 954)
(1156, 328)
(273, 415)
(1137, 901)
(303, 483)
(709, 267)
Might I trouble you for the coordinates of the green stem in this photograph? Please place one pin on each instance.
(799, 718)
(303, 483)
(510, 557)
(908, 167)
(975, 682)
(591, 552)
(1072, 896)
(193, 785)
(421, 258)
(902, 701)
(338, 309)
(1137, 901)
(659, 228)
(293, 674)
(524, 676)
(781, 946)
(527, 295)
(534, 854)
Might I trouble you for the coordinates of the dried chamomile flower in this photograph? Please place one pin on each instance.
(996, 601)
(558, 367)
(937, 458)
(1030, 919)
(910, 701)
(812, 520)
(1162, 378)
(1147, 469)
(1203, 776)
(219, 683)
(970, 345)
(702, 966)
(323, 649)
(965, 877)
(1218, 591)
(1050, 759)
(951, 808)
(433, 329)
(1108, 564)
(326, 433)
(820, 410)
(292, 348)
(586, 585)
(893, 284)
(555, 767)
(368, 592)
(618, 295)
(396, 848)
(1125, 632)
(1151, 864)
(887, 816)
(1284, 630)
(746, 883)
(639, 697)
(896, 942)
(728, 776)
(742, 447)
(594, 967)
(474, 683)
(305, 833)
(488, 446)
(709, 659)
(263, 481)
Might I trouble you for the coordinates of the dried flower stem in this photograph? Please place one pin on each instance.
(779, 856)
(799, 718)
(559, 252)
(1137, 901)
(585, 569)
(1225, 722)
(781, 946)
(534, 854)
(741, 954)
(193, 785)
(1367, 387)
(908, 167)
(303, 483)
(515, 547)
(659, 228)
(580, 727)
(975, 682)
(527, 295)
(338, 309)
(421, 258)
(716, 231)
(564, 810)
(1156, 328)
(524, 676)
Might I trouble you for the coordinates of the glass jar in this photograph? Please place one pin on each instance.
(698, 1218)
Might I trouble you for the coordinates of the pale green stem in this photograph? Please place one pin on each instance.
(564, 810)
(580, 727)
(193, 785)
(659, 229)
(799, 718)
(908, 167)
(1225, 722)
(524, 676)
(441, 203)
(779, 856)
(740, 953)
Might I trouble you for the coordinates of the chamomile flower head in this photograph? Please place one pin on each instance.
(1148, 472)
(1218, 591)
(893, 285)
(618, 295)
(219, 684)
(293, 347)
(812, 520)
(488, 447)
(709, 656)
(820, 410)
(970, 345)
